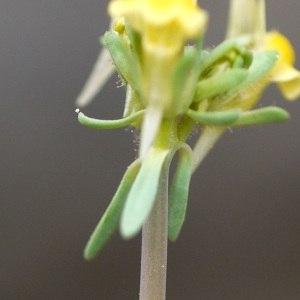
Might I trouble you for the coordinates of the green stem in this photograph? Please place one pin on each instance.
(154, 246)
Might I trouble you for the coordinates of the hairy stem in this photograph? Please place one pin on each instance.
(154, 246)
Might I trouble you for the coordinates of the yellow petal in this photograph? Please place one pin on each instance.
(189, 18)
(283, 73)
(291, 89)
(276, 41)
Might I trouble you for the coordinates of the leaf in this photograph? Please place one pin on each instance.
(179, 192)
(262, 64)
(184, 79)
(219, 83)
(124, 61)
(143, 193)
(236, 44)
(110, 220)
(239, 96)
(135, 41)
(262, 116)
(109, 124)
(219, 118)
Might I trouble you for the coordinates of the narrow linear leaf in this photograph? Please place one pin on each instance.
(215, 118)
(219, 83)
(109, 124)
(135, 41)
(179, 192)
(143, 193)
(186, 75)
(123, 59)
(184, 78)
(261, 64)
(262, 116)
(221, 50)
(110, 220)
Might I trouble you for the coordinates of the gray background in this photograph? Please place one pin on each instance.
(241, 237)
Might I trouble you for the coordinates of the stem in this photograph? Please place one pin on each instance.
(154, 246)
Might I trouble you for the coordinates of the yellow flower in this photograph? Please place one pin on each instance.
(248, 17)
(164, 26)
(283, 73)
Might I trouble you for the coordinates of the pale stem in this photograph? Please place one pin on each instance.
(154, 246)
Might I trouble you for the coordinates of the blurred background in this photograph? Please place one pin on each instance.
(241, 235)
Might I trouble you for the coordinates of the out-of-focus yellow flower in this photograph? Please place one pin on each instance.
(164, 27)
(283, 73)
(248, 17)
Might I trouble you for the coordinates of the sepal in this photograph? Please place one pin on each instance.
(185, 76)
(219, 83)
(124, 61)
(229, 51)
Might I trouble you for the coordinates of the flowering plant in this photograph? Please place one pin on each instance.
(171, 87)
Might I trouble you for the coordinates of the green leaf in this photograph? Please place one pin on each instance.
(123, 59)
(109, 124)
(219, 83)
(179, 192)
(223, 49)
(143, 193)
(219, 118)
(261, 65)
(184, 79)
(262, 116)
(186, 74)
(135, 41)
(110, 220)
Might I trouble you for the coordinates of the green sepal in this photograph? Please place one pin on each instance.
(247, 59)
(185, 76)
(219, 83)
(109, 124)
(143, 192)
(261, 64)
(179, 192)
(135, 41)
(222, 51)
(124, 61)
(110, 220)
(184, 80)
(219, 118)
(262, 116)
